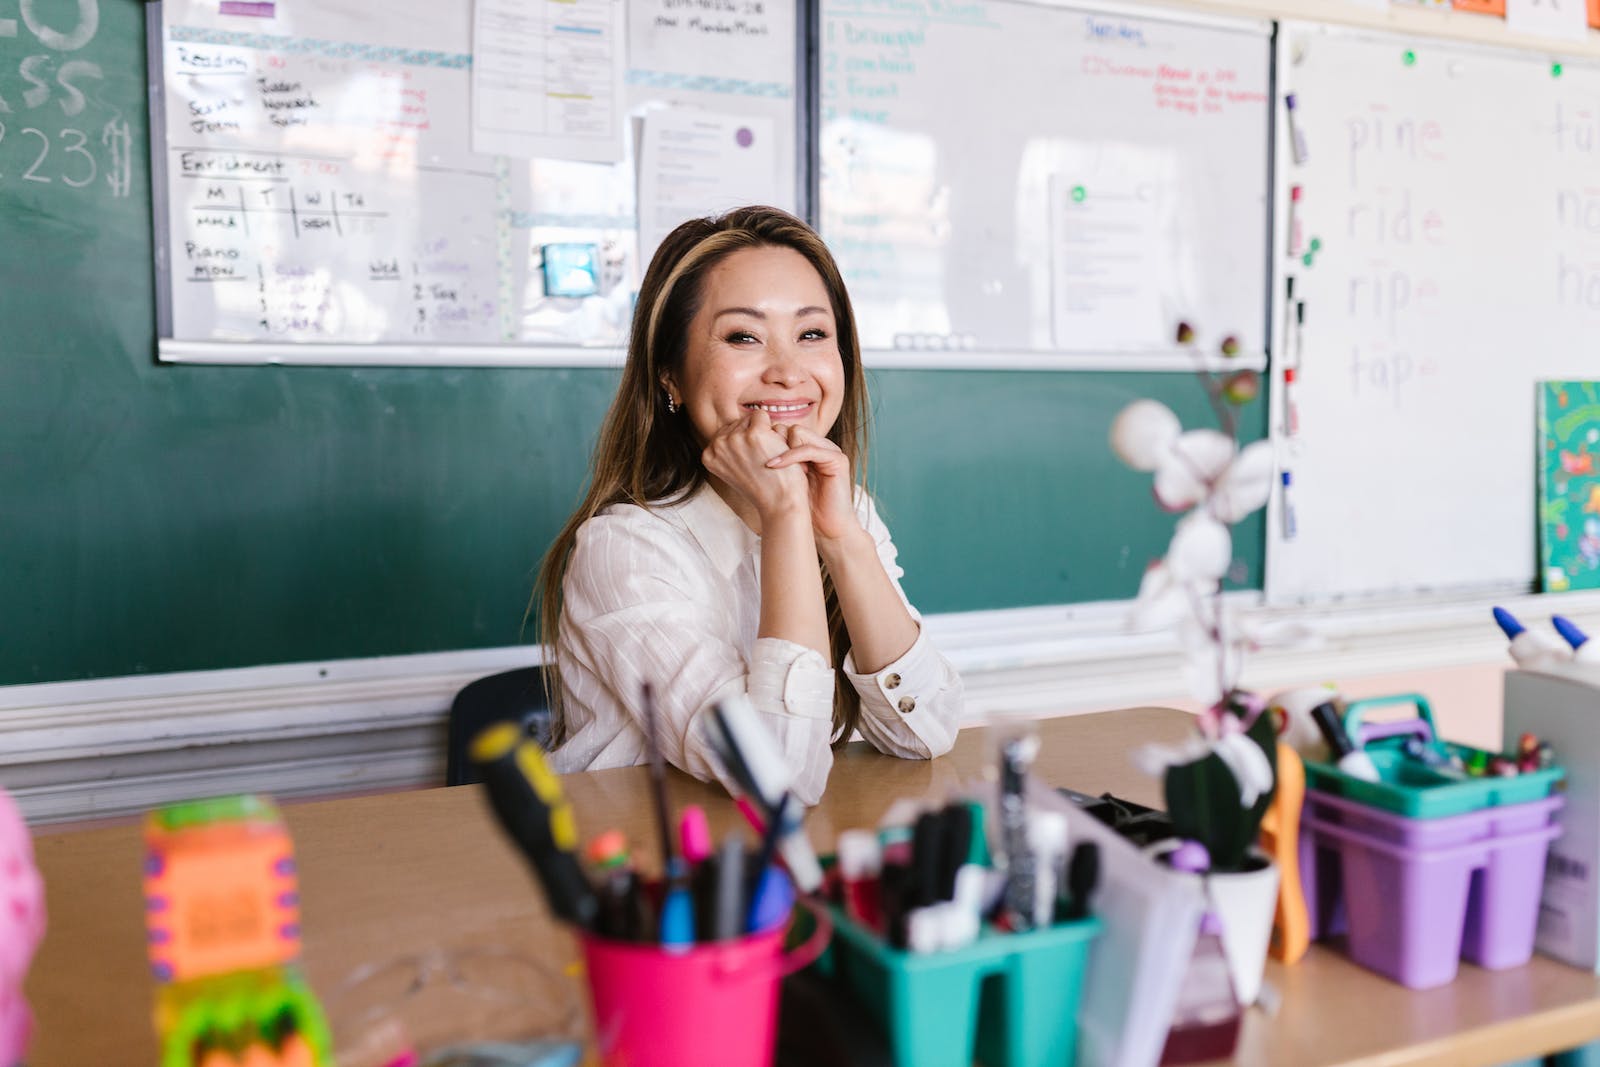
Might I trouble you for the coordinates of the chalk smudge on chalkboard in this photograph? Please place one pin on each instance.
(261, 9)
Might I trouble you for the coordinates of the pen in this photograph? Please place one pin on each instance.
(751, 756)
(1288, 315)
(772, 897)
(1018, 904)
(927, 860)
(621, 906)
(1290, 525)
(730, 904)
(1297, 136)
(528, 802)
(658, 779)
(956, 847)
(1291, 414)
(1294, 220)
(677, 906)
(694, 834)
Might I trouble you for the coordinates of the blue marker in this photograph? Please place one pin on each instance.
(773, 895)
(1583, 649)
(1530, 649)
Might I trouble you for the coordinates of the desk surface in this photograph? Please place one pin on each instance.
(381, 876)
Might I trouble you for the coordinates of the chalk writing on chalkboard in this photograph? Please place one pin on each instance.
(45, 135)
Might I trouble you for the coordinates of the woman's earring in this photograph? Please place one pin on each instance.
(672, 405)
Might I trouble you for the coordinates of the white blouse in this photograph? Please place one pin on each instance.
(672, 595)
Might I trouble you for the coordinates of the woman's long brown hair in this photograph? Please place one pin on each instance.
(646, 456)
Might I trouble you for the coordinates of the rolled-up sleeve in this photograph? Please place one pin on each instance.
(639, 608)
(912, 707)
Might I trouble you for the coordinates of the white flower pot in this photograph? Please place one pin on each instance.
(1246, 901)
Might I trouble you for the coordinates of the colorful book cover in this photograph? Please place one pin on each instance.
(1569, 485)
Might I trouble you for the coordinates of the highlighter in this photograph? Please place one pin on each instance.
(527, 800)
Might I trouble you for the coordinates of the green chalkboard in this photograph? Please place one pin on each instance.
(162, 518)
(1001, 490)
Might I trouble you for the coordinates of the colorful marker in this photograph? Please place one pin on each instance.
(1294, 220)
(1297, 136)
(1290, 525)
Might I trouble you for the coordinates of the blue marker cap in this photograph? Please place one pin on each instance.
(1569, 630)
(1508, 622)
(1289, 101)
(772, 900)
(1286, 478)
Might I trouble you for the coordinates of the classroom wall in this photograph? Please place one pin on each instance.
(103, 453)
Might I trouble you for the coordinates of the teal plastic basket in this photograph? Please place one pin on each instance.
(1010, 1000)
(1411, 788)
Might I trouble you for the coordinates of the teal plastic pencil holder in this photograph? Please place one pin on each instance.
(1008, 1000)
(1407, 786)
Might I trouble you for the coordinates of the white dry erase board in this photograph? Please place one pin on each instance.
(1454, 193)
(1029, 178)
(318, 198)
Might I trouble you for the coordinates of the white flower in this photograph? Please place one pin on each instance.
(1162, 601)
(1192, 465)
(1143, 432)
(1248, 763)
(1201, 549)
(1245, 485)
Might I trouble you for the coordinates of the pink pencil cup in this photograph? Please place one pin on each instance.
(713, 1005)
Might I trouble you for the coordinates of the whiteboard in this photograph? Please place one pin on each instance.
(1456, 198)
(1013, 176)
(321, 202)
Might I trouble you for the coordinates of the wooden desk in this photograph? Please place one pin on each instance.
(383, 876)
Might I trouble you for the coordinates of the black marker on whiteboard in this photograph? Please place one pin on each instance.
(1299, 332)
(1297, 136)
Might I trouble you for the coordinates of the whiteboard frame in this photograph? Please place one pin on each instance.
(259, 353)
(1173, 359)
(220, 352)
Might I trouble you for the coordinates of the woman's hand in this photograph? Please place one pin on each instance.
(738, 457)
(830, 490)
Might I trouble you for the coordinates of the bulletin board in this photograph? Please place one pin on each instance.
(1449, 195)
(447, 183)
(1014, 177)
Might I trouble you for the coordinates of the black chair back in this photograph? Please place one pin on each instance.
(515, 695)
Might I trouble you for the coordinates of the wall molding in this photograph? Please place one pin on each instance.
(114, 747)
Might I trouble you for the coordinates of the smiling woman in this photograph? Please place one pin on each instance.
(726, 545)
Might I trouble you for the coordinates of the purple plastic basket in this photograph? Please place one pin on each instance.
(1442, 832)
(1415, 900)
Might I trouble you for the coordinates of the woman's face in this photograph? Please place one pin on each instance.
(764, 337)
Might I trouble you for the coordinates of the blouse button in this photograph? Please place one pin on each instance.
(907, 705)
(891, 681)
